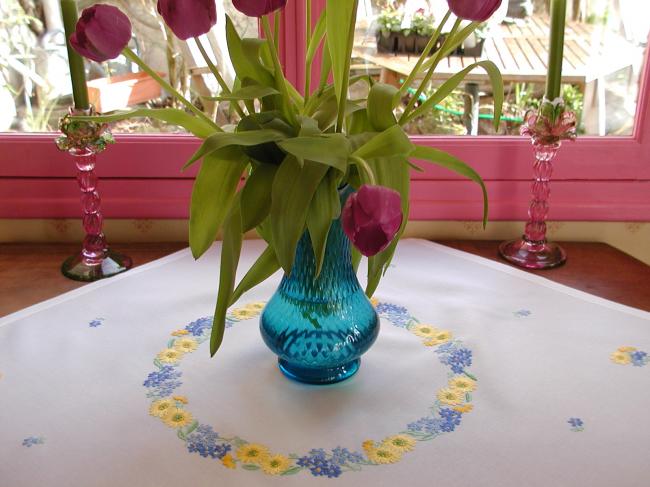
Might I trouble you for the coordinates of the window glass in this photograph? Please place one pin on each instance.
(604, 50)
(35, 88)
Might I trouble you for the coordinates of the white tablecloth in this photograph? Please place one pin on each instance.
(482, 375)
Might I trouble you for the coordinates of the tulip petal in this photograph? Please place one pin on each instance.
(188, 18)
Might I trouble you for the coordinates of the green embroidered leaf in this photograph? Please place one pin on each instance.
(256, 196)
(292, 471)
(452, 83)
(192, 427)
(225, 139)
(250, 92)
(325, 206)
(230, 253)
(245, 56)
(250, 466)
(212, 196)
(263, 268)
(172, 116)
(380, 106)
(331, 149)
(293, 189)
(389, 143)
(450, 162)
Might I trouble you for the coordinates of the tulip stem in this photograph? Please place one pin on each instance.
(427, 50)
(276, 30)
(423, 84)
(280, 81)
(220, 80)
(363, 165)
(129, 54)
(307, 41)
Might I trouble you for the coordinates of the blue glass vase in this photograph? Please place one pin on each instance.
(319, 327)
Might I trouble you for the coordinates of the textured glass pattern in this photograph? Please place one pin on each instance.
(319, 327)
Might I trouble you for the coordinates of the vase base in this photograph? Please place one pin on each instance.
(533, 255)
(319, 376)
(113, 263)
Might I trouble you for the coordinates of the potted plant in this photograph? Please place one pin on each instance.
(326, 178)
(389, 29)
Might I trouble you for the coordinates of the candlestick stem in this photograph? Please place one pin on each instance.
(96, 260)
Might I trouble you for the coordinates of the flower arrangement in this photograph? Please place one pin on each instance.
(295, 149)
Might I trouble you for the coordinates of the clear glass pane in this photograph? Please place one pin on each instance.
(604, 50)
(35, 88)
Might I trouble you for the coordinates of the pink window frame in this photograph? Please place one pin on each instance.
(596, 179)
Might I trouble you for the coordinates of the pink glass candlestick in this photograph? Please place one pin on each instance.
(96, 260)
(533, 251)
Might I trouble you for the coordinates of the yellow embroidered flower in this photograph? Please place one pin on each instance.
(401, 443)
(182, 399)
(627, 349)
(185, 345)
(161, 407)
(275, 465)
(252, 453)
(255, 307)
(243, 314)
(368, 445)
(177, 418)
(452, 397)
(622, 358)
(440, 337)
(374, 302)
(462, 383)
(384, 454)
(465, 408)
(228, 461)
(424, 331)
(180, 333)
(170, 355)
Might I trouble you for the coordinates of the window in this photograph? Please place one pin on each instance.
(597, 178)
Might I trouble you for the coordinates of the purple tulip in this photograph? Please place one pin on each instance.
(476, 10)
(188, 18)
(102, 32)
(258, 8)
(371, 218)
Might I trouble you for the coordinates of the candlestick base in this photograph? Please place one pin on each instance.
(533, 255)
(80, 268)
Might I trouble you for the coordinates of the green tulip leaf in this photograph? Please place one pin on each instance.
(380, 106)
(316, 37)
(446, 160)
(389, 143)
(220, 140)
(250, 92)
(324, 208)
(332, 150)
(245, 57)
(230, 253)
(212, 196)
(264, 267)
(172, 116)
(293, 189)
(256, 196)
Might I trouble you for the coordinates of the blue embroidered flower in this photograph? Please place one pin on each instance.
(397, 315)
(427, 425)
(319, 465)
(639, 358)
(343, 456)
(33, 440)
(450, 419)
(96, 322)
(204, 441)
(522, 313)
(577, 424)
(163, 382)
(458, 359)
(197, 327)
